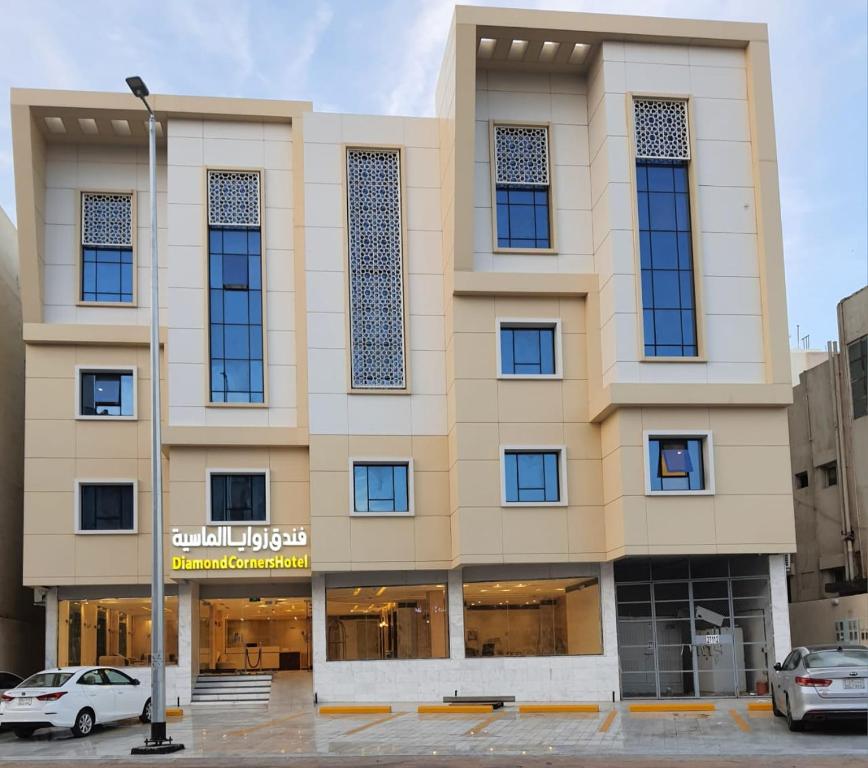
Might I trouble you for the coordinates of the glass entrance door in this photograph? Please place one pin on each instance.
(700, 630)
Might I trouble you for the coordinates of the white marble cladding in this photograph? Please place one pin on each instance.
(780, 613)
(714, 79)
(70, 170)
(559, 100)
(193, 146)
(555, 678)
(422, 409)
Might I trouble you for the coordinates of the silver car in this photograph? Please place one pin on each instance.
(821, 682)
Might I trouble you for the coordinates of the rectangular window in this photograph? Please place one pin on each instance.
(106, 506)
(106, 248)
(532, 477)
(104, 393)
(522, 184)
(677, 464)
(665, 248)
(113, 632)
(857, 358)
(830, 474)
(407, 621)
(382, 488)
(543, 617)
(527, 349)
(376, 269)
(235, 280)
(237, 497)
(801, 479)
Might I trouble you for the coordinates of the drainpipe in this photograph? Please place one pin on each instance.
(835, 376)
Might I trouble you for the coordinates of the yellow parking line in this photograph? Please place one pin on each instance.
(607, 723)
(245, 731)
(375, 722)
(454, 709)
(484, 724)
(356, 709)
(675, 706)
(739, 721)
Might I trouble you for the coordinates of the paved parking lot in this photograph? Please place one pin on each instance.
(282, 734)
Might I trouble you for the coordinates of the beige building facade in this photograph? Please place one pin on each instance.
(21, 626)
(829, 445)
(493, 399)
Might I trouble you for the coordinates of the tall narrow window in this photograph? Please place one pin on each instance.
(521, 160)
(376, 269)
(106, 247)
(662, 158)
(857, 357)
(235, 279)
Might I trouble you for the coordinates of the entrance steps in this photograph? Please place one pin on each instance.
(232, 690)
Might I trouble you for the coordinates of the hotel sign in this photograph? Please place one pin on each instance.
(266, 544)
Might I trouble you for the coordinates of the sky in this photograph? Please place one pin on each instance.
(382, 56)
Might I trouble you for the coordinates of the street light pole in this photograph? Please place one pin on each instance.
(159, 742)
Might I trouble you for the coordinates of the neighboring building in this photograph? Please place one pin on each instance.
(803, 359)
(520, 371)
(21, 625)
(829, 450)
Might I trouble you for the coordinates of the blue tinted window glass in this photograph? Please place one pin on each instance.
(522, 217)
(676, 464)
(107, 275)
(235, 314)
(665, 258)
(238, 498)
(527, 350)
(106, 507)
(380, 488)
(531, 476)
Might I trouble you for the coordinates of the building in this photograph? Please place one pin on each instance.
(21, 625)
(445, 403)
(801, 359)
(829, 449)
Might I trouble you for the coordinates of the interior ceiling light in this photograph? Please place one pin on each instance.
(549, 50)
(580, 50)
(517, 50)
(486, 47)
(55, 125)
(380, 591)
(121, 127)
(88, 126)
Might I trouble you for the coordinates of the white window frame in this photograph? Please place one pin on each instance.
(238, 471)
(707, 459)
(531, 322)
(104, 481)
(411, 507)
(561, 450)
(122, 369)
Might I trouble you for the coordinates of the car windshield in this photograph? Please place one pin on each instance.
(46, 680)
(847, 657)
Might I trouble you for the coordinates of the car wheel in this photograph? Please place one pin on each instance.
(84, 722)
(775, 710)
(145, 717)
(793, 724)
(24, 733)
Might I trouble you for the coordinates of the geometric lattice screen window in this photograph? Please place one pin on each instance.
(107, 219)
(661, 129)
(233, 198)
(375, 269)
(521, 155)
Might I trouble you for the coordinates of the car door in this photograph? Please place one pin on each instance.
(97, 694)
(784, 679)
(126, 694)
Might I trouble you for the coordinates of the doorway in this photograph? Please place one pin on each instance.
(693, 627)
(254, 634)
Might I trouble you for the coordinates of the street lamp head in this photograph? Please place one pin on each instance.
(138, 87)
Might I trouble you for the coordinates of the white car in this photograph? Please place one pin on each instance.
(74, 697)
(821, 682)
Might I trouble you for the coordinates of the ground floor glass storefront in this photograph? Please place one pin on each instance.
(697, 626)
